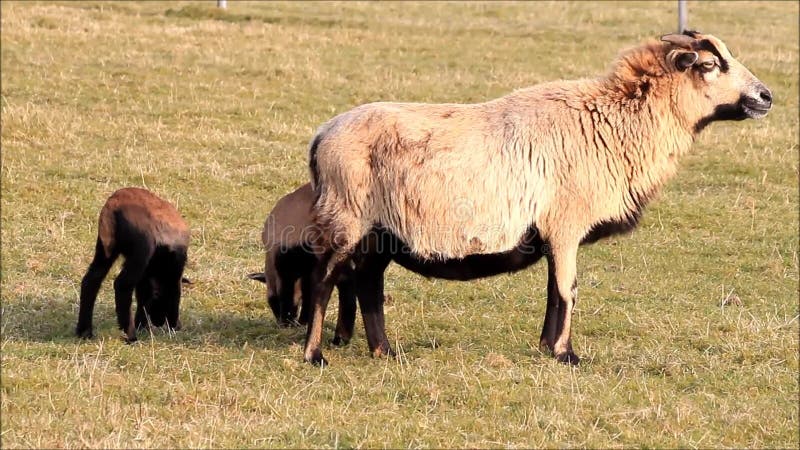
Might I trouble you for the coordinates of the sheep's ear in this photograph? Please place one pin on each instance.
(684, 60)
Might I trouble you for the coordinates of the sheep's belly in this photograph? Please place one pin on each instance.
(464, 226)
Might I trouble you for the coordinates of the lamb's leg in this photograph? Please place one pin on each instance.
(286, 312)
(564, 259)
(171, 285)
(347, 310)
(132, 271)
(144, 303)
(305, 299)
(323, 278)
(90, 285)
(171, 301)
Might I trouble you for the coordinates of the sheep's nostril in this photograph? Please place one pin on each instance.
(766, 96)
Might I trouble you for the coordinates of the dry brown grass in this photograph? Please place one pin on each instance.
(213, 110)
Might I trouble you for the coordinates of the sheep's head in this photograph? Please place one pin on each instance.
(713, 84)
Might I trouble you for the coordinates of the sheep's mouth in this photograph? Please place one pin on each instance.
(754, 111)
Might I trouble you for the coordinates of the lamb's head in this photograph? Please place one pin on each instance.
(713, 85)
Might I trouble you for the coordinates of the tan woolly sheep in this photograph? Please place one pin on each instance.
(568, 162)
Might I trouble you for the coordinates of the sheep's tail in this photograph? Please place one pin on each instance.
(107, 229)
(312, 163)
(316, 187)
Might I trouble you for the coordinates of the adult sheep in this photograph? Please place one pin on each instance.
(569, 162)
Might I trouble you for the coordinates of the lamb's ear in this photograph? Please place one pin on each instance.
(258, 276)
(683, 59)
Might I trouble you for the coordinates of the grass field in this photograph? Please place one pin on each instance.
(213, 110)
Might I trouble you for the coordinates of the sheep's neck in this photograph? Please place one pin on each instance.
(649, 138)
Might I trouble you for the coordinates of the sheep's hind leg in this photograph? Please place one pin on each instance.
(323, 278)
(347, 310)
(565, 271)
(369, 288)
(548, 336)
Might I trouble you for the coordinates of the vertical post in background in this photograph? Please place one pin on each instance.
(682, 16)
(222, 4)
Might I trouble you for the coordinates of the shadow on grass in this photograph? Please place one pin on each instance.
(50, 320)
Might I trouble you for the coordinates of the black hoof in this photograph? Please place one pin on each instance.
(84, 333)
(288, 323)
(340, 341)
(177, 326)
(317, 359)
(130, 340)
(568, 358)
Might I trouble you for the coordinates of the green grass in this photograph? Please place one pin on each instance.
(213, 110)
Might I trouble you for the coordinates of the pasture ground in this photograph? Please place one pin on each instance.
(213, 110)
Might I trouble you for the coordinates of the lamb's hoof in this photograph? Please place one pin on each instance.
(569, 358)
(340, 341)
(177, 327)
(288, 323)
(316, 359)
(384, 350)
(84, 333)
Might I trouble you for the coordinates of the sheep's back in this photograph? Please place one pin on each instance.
(444, 178)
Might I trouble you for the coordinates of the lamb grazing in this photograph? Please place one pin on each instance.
(154, 239)
(558, 164)
(287, 237)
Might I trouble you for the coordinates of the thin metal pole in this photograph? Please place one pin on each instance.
(682, 16)
(222, 4)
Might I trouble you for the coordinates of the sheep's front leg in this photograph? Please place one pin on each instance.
(563, 260)
(132, 271)
(323, 278)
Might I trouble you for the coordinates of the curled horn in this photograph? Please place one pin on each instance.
(681, 40)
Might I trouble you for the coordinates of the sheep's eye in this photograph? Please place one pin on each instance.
(708, 65)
